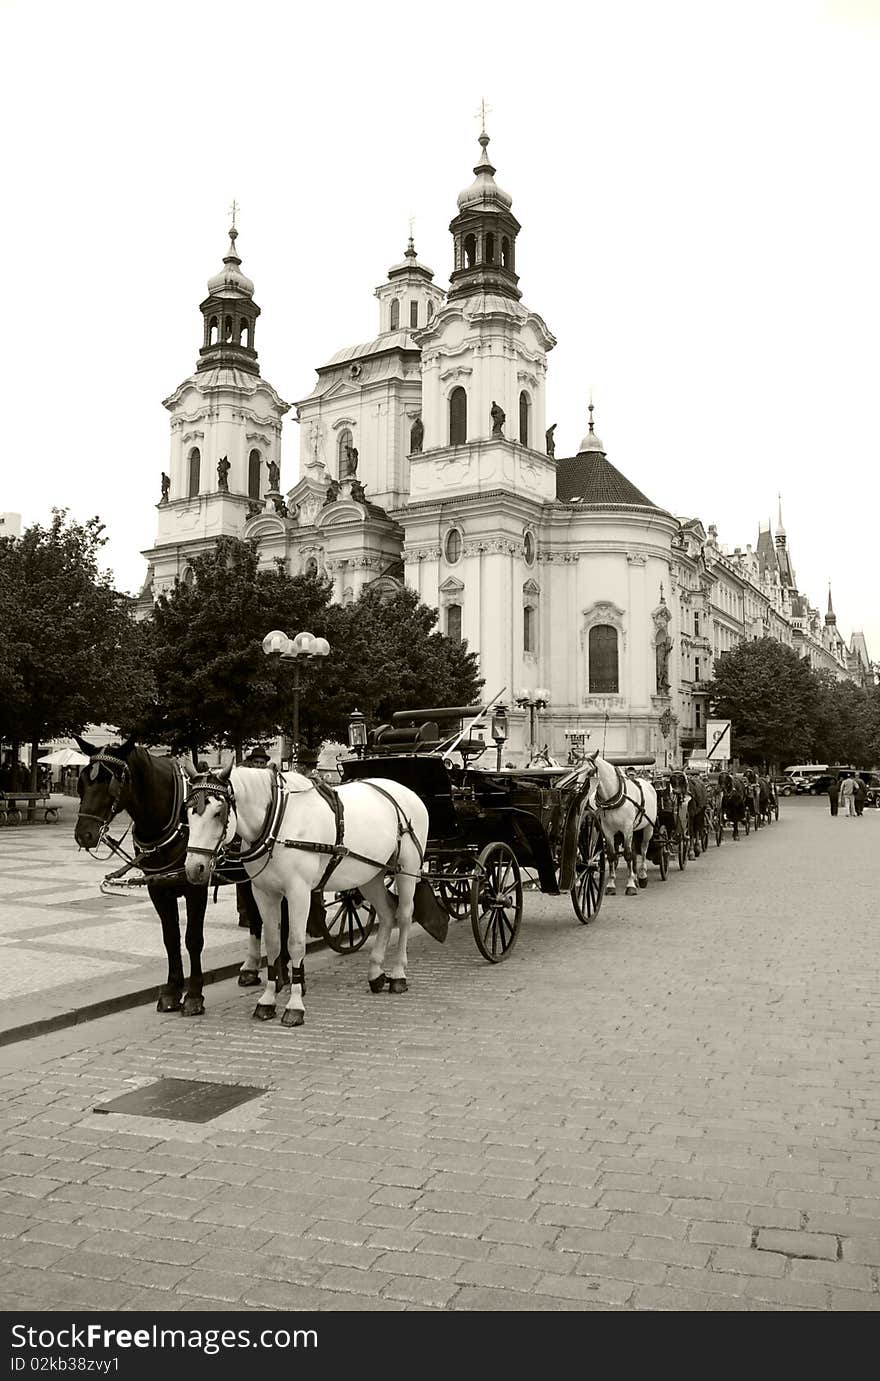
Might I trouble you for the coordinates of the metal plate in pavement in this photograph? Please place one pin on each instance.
(182, 1100)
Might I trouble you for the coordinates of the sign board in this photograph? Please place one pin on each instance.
(718, 740)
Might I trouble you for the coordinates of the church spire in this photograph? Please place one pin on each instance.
(230, 314)
(484, 234)
(830, 617)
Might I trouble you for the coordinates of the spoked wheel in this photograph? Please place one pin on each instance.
(589, 870)
(683, 843)
(663, 855)
(719, 828)
(704, 836)
(349, 922)
(453, 890)
(496, 902)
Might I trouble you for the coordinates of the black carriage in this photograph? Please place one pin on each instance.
(491, 835)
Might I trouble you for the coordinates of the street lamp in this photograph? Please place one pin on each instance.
(533, 701)
(293, 651)
(357, 732)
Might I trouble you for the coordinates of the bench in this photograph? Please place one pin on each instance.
(11, 803)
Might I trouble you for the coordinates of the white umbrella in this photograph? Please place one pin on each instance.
(65, 757)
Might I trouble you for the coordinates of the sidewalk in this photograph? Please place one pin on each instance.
(69, 953)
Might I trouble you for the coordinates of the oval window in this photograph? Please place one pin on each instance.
(453, 545)
(529, 548)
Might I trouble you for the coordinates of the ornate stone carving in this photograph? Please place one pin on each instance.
(636, 558)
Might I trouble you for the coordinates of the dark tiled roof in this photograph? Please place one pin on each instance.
(592, 479)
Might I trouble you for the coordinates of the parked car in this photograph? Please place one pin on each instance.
(819, 787)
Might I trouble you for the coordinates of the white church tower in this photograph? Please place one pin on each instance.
(225, 434)
(482, 477)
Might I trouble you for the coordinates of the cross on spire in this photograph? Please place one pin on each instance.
(233, 210)
(481, 115)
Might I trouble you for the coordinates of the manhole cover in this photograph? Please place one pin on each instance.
(182, 1100)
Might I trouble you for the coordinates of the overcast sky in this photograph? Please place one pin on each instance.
(697, 185)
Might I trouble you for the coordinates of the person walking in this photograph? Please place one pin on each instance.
(834, 793)
(861, 794)
(848, 796)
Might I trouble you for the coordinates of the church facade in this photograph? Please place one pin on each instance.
(426, 458)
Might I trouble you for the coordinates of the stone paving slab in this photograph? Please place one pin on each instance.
(673, 1108)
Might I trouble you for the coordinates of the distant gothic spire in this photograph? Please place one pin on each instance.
(830, 617)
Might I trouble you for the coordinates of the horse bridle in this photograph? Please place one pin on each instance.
(204, 787)
(107, 760)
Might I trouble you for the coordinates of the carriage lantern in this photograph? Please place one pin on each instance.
(357, 732)
(499, 730)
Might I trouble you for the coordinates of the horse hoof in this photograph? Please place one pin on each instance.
(377, 983)
(249, 979)
(397, 985)
(611, 891)
(193, 1007)
(643, 882)
(631, 891)
(264, 1011)
(293, 1017)
(169, 1002)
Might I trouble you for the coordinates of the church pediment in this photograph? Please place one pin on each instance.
(265, 525)
(452, 586)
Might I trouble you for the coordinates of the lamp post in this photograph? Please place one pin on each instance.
(293, 652)
(533, 701)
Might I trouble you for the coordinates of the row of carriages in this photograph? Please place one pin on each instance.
(494, 834)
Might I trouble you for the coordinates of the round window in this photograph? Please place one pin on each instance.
(453, 545)
(529, 548)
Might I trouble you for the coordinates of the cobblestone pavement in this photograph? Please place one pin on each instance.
(64, 945)
(674, 1108)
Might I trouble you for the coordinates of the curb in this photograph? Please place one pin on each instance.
(77, 1016)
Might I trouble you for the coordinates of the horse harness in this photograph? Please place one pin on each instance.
(264, 845)
(621, 795)
(144, 849)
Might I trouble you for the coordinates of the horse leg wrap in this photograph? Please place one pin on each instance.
(298, 976)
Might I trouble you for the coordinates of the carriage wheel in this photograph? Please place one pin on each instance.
(589, 871)
(776, 808)
(349, 921)
(663, 855)
(719, 828)
(683, 842)
(496, 902)
(453, 890)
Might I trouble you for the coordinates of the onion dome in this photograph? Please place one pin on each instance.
(230, 281)
(230, 315)
(591, 441)
(484, 190)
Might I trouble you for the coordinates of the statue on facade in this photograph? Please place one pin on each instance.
(662, 649)
(357, 491)
(280, 506)
(416, 437)
(316, 443)
(253, 508)
(351, 462)
(498, 415)
(166, 487)
(332, 491)
(223, 475)
(550, 441)
(274, 476)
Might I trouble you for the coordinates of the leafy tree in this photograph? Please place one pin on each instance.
(847, 721)
(770, 696)
(71, 652)
(214, 683)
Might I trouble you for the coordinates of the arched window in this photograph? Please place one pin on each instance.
(505, 253)
(213, 331)
(413, 315)
(528, 629)
(453, 622)
(342, 445)
(254, 462)
(603, 660)
(227, 328)
(452, 546)
(525, 405)
(395, 314)
(489, 256)
(457, 417)
(470, 251)
(195, 472)
(188, 577)
(242, 332)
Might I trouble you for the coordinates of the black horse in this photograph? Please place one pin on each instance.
(735, 800)
(123, 777)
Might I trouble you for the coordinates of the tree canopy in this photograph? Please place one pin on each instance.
(216, 685)
(71, 652)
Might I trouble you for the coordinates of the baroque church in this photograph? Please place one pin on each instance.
(426, 459)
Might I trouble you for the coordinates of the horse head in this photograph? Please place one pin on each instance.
(211, 818)
(102, 787)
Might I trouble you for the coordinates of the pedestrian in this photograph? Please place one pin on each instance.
(848, 796)
(834, 793)
(861, 795)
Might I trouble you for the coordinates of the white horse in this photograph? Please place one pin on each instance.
(626, 806)
(297, 850)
